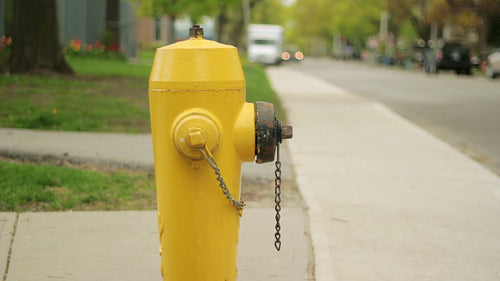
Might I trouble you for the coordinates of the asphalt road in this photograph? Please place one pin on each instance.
(461, 110)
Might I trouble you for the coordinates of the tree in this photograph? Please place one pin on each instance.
(313, 21)
(399, 13)
(416, 12)
(172, 9)
(267, 12)
(492, 31)
(462, 14)
(159, 8)
(357, 19)
(227, 13)
(177, 8)
(229, 19)
(35, 38)
(318, 21)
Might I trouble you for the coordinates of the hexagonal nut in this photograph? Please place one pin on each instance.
(195, 137)
(286, 132)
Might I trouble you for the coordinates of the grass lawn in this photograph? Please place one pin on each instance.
(107, 95)
(30, 187)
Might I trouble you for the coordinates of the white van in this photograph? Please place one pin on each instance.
(265, 43)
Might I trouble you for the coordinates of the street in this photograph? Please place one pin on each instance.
(464, 111)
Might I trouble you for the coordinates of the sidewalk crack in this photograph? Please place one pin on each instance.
(9, 255)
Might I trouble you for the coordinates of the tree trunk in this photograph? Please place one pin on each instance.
(171, 29)
(220, 22)
(35, 38)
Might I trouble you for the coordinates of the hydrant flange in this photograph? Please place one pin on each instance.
(265, 132)
(268, 132)
(194, 129)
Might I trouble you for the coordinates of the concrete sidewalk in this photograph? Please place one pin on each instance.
(387, 201)
(119, 150)
(89, 246)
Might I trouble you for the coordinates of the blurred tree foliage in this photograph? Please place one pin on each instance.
(230, 21)
(320, 20)
(463, 14)
(173, 9)
(359, 19)
(268, 12)
(228, 14)
(308, 21)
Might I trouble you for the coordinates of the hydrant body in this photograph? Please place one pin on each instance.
(197, 102)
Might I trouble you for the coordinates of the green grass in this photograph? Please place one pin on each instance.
(71, 109)
(41, 82)
(108, 67)
(147, 55)
(30, 187)
(100, 99)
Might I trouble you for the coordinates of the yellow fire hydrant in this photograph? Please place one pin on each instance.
(200, 123)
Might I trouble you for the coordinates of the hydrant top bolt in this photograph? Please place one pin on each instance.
(196, 32)
(195, 137)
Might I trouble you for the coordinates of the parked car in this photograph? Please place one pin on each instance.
(493, 69)
(451, 56)
(454, 56)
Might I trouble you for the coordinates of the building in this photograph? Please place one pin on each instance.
(92, 20)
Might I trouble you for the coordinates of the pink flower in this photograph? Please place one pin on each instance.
(114, 47)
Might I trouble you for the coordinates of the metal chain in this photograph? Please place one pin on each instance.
(277, 198)
(211, 161)
(240, 204)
